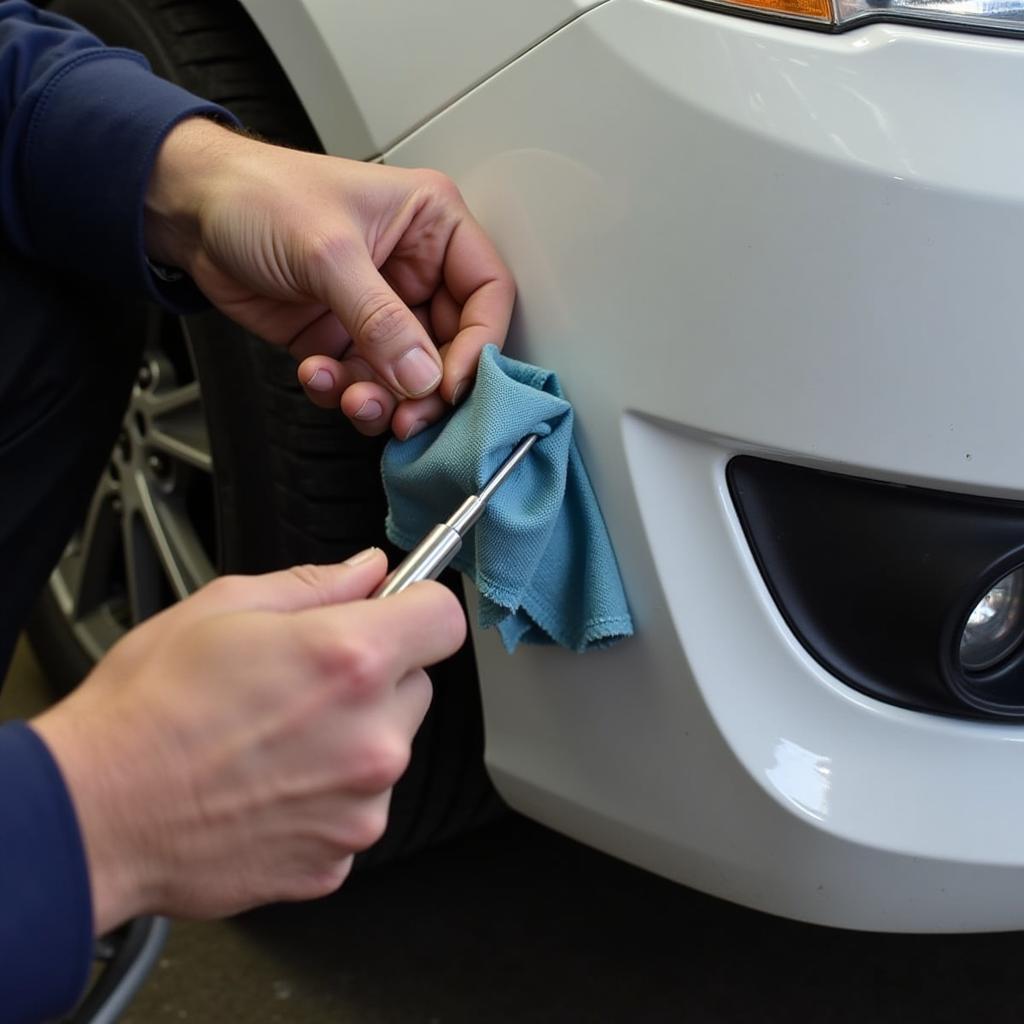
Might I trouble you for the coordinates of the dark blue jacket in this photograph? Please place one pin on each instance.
(80, 126)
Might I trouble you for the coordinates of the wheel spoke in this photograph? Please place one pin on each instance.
(178, 427)
(184, 438)
(178, 549)
(90, 586)
(142, 569)
(163, 403)
(142, 544)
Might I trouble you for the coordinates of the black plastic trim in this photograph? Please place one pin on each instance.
(877, 580)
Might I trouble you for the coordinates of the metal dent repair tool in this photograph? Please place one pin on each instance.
(432, 555)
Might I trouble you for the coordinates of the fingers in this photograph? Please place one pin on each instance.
(371, 753)
(422, 625)
(370, 407)
(479, 282)
(412, 701)
(378, 736)
(326, 381)
(295, 589)
(416, 414)
(384, 330)
(322, 336)
(367, 646)
(442, 260)
(444, 315)
(332, 374)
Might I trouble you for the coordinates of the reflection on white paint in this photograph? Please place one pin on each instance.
(550, 211)
(802, 777)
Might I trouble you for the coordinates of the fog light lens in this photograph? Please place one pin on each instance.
(996, 625)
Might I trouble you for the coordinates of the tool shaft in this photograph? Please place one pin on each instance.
(433, 554)
(426, 561)
(505, 469)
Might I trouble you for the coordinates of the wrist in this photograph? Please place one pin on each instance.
(105, 791)
(185, 174)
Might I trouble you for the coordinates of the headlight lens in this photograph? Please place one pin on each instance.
(995, 626)
(1003, 16)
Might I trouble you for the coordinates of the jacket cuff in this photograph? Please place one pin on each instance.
(46, 916)
(89, 152)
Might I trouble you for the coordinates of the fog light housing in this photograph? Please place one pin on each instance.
(911, 595)
(995, 626)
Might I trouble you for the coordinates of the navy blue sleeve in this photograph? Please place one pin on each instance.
(80, 126)
(45, 904)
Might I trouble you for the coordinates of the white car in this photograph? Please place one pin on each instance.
(773, 250)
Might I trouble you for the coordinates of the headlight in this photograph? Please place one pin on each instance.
(995, 15)
(1002, 16)
(995, 627)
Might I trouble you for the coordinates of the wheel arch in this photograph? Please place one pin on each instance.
(369, 73)
(296, 36)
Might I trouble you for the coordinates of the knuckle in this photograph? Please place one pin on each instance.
(359, 668)
(366, 825)
(506, 285)
(315, 882)
(326, 252)
(380, 320)
(440, 184)
(420, 684)
(449, 617)
(331, 878)
(314, 577)
(456, 622)
(381, 764)
(227, 590)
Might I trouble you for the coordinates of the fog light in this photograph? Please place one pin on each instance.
(995, 626)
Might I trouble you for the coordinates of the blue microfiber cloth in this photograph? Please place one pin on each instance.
(540, 556)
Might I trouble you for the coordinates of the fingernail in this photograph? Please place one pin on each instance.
(460, 391)
(416, 372)
(415, 429)
(369, 410)
(363, 556)
(320, 381)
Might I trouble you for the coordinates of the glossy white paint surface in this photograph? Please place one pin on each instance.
(731, 236)
(368, 73)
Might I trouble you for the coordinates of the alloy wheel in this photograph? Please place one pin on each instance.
(149, 538)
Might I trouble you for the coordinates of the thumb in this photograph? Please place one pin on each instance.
(384, 331)
(298, 588)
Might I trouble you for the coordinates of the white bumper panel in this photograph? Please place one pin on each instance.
(731, 236)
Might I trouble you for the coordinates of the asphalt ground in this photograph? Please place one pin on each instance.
(517, 924)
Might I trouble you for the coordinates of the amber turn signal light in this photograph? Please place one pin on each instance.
(819, 10)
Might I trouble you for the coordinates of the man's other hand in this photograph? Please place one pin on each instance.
(377, 279)
(241, 746)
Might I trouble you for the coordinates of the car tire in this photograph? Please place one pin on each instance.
(283, 483)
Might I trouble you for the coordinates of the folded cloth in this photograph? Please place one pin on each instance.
(540, 555)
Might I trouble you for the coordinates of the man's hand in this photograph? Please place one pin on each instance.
(376, 278)
(240, 747)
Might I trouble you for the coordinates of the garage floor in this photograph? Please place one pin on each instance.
(516, 924)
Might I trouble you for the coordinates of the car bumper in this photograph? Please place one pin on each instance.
(732, 236)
